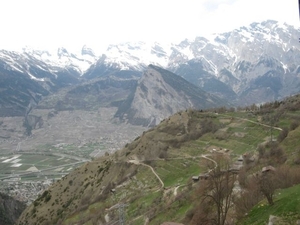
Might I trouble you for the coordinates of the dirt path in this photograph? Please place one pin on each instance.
(258, 123)
(175, 190)
(153, 171)
(265, 125)
(216, 164)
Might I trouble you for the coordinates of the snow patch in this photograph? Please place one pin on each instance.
(35, 78)
(284, 66)
(137, 55)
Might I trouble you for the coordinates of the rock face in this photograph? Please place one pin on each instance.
(160, 93)
(10, 209)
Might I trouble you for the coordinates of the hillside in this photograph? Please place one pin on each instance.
(151, 178)
(284, 212)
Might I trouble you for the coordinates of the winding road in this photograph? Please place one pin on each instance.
(136, 162)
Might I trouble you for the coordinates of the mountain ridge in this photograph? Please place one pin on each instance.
(160, 93)
(245, 53)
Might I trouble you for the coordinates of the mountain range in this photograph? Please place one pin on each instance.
(253, 64)
(248, 65)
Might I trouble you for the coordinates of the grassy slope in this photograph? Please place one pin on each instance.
(286, 206)
(139, 188)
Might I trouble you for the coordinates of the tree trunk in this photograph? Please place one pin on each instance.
(270, 200)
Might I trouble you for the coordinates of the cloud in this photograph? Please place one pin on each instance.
(99, 22)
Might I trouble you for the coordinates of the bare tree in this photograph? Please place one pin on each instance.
(219, 189)
(268, 183)
(249, 196)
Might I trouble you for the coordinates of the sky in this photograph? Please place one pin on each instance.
(49, 24)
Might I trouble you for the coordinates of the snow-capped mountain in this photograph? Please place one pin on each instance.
(130, 57)
(137, 55)
(24, 79)
(47, 62)
(229, 64)
(252, 64)
(62, 58)
(29, 74)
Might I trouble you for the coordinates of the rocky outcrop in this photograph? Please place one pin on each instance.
(10, 209)
(34, 121)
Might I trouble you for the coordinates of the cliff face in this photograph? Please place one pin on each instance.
(159, 94)
(10, 209)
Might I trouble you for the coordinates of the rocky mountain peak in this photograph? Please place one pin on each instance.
(160, 93)
(87, 51)
(62, 52)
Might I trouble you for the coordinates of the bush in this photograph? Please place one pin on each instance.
(283, 134)
(277, 155)
(261, 151)
(288, 176)
(294, 125)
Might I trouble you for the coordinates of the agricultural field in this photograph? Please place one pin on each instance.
(36, 166)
